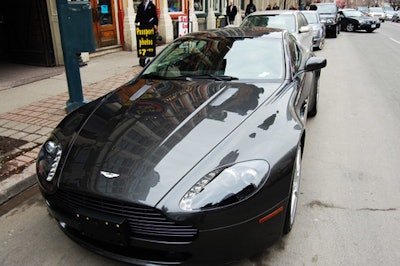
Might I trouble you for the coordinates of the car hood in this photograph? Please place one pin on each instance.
(143, 138)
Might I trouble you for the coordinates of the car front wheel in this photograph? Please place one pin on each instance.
(350, 27)
(334, 32)
(294, 192)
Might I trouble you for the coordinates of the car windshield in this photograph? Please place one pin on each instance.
(282, 21)
(326, 9)
(311, 17)
(363, 9)
(219, 59)
(352, 13)
(388, 8)
(376, 9)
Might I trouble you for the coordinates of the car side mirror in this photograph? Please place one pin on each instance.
(312, 64)
(315, 63)
(304, 29)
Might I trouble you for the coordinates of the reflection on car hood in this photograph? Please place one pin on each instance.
(147, 135)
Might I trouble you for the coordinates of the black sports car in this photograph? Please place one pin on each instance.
(201, 151)
(351, 20)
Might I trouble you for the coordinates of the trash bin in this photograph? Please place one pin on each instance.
(221, 22)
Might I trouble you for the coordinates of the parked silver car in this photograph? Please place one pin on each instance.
(319, 29)
(378, 13)
(292, 20)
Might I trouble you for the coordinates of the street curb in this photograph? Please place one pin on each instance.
(17, 183)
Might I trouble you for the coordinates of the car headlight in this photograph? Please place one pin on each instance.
(330, 21)
(226, 186)
(48, 160)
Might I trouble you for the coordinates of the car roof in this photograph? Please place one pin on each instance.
(322, 4)
(309, 11)
(240, 32)
(274, 12)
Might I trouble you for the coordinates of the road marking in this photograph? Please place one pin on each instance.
(395, 41)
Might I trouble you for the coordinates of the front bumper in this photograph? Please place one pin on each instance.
(317, 42)
(369, 26)
(217, 245)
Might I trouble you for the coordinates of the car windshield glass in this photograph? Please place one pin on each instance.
(352, 13)
(363, 9)
(311, 18)
(326, 9)
(283, 21)
(219, 59)
(376, 9)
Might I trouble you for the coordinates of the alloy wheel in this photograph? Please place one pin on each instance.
(295, 185)
(350, 27)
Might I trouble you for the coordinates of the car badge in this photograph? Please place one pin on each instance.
(109, 175)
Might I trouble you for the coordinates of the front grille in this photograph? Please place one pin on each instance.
(143, 222)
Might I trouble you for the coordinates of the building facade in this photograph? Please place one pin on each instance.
(30, 30)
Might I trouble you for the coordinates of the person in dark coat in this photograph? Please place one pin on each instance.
(250, 8)
(147, 14)
(231, 12)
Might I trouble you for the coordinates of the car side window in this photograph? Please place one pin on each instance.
(302, 20)
(295, 53)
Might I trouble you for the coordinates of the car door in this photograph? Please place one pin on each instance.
(297, 59)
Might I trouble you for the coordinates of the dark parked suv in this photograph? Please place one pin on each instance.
(328, 13)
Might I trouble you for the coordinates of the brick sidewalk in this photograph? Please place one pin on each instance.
(33, 123)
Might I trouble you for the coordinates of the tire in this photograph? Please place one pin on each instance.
(294, 192)
(370, 30)
(350, 27)
(321, 44)
(314, 108)
(334, 32)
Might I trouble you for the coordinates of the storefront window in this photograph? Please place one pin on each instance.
(199, 5)
(216, 5)
(136, 3)
(175, 5)
(105, 15)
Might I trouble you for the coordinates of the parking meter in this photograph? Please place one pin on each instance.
(77, 35)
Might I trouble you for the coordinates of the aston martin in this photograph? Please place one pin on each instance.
(198, 154)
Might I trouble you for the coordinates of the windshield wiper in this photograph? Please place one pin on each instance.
(190, 77)
(153, 76)
(212, 76)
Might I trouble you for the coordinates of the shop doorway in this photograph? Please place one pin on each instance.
(25, 36)
(104, 23)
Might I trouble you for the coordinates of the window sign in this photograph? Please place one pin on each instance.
(175, 5)
(104, 9)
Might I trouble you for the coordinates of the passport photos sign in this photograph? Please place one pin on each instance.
(146, 41)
